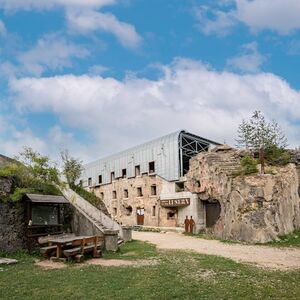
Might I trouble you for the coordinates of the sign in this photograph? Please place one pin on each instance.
(175, 202)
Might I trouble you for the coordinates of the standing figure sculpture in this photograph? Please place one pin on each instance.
(186, 224)
(192, 224)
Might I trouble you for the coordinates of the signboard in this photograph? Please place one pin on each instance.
(175, 202)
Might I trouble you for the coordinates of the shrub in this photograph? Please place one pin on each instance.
(249, 165)
(88, 196)
(277, 156)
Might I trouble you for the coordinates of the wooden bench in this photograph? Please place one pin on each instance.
(49, 250)
(86, 245)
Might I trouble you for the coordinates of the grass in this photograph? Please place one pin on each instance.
(289, 240)
(178, 275)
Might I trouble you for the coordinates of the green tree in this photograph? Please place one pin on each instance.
(72, 167)
(261, 136)
(39, 166)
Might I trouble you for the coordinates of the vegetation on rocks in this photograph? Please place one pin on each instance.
(32, 173)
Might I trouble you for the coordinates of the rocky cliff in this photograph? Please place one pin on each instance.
(254, 208)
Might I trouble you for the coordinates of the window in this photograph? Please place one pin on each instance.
(153, 211)
(139, 192)
(80, 182)
(125, 193)
(100, 179)
(112, 176)
(102, 195)
(137, 171)
(153, 190)
(171, 215)
(179, 187)
(151, 167)
(128, 210)
(45, 214)
(90, 181)
(124, 173)
(114, 195)
(115, 210)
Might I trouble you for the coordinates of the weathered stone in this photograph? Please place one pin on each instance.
(127, 233)
(7, 261)
(111, 240)
(256, 208)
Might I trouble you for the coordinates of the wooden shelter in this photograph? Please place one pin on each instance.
(43, 216)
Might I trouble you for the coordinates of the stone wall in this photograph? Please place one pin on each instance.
(255, 208)
(12, 227)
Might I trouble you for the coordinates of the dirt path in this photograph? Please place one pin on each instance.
(283, 259)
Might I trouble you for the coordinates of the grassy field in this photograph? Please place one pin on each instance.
(177, 275)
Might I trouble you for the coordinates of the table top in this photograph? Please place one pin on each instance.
(63, 240)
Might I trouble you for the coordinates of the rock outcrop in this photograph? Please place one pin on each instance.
(254, 208)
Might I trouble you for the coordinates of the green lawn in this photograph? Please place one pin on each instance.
(178, 275)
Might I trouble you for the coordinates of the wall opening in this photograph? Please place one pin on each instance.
(152, 167)
(114, 195)
(100, 179)
(124, 173)
(212, 212)
(128, 210)
(139, 192)
(125, 193)
(137, 170)
(153, 190)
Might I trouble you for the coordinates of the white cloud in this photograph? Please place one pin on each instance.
(118, 114)
(250, 60)
(2, 28)
(91, 20)
(50, 53)
(97, 70)
(83, 16)
(221, 24)
(276, 15)
(9, 5)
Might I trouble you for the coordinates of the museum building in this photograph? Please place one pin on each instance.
(144, 185)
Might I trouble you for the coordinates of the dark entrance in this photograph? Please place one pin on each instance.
(140, 212)
(213, 210)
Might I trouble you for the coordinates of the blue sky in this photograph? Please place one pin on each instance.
(98, 76)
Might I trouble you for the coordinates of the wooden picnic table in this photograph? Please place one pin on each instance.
(62, 242)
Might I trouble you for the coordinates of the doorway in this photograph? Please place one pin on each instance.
(140, 213)
(212, 211)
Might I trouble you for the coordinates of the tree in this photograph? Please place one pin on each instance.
(39, 166)
(257, 134)
(72, 167)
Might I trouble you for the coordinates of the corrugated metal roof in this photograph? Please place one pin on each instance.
(163, 151)
(39, 198)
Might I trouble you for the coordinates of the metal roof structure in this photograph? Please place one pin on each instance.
(39, 198)
(170, 155)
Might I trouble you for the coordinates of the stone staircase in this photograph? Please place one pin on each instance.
(101, 221)
(227, 163)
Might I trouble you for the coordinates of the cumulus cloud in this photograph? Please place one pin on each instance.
(91, 20)
(50, 53)
(82, 17)
(276, 15)
(250, 60)
(118, 114)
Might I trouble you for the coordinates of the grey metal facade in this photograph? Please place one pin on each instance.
(168, 154)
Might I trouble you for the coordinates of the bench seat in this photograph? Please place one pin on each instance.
(77, 250)
(46, 251)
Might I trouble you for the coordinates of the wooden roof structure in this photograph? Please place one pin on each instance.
(49, 199)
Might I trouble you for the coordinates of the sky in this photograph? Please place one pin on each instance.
(99, 76)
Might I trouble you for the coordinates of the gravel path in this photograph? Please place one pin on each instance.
(269, 257)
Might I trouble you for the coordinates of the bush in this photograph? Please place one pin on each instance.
(276, 156)
(88, 196)
(248, 166)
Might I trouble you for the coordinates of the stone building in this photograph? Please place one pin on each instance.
(144, 185)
